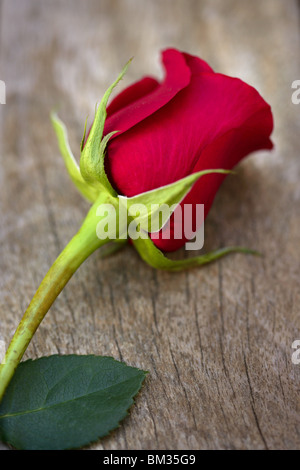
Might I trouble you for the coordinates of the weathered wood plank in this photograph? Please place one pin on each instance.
(217, 341)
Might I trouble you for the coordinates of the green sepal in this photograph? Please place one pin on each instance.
(171, 195)
(104, 141)
(156, 259)
(83, 137)
(93, 151)
(73, 169)
(112, 248)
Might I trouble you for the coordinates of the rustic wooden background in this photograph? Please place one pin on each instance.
(217, 341)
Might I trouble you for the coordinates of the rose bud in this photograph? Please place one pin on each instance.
(194, 120)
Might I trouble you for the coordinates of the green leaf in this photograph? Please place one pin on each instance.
(155, 258)
(170, 195)
(63, 402)
(92, 155)
(73, 169)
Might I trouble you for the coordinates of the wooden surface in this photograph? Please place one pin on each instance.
(217, 341)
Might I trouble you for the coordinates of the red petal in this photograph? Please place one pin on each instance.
(177, 78)
(132, 93)
(196, 64)
(168, 144)
(225, 152)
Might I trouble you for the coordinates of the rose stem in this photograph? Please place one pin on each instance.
(84, 243)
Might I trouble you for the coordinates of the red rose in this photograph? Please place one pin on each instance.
(194, 120)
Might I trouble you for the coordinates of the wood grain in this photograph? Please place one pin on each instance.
(217, 341)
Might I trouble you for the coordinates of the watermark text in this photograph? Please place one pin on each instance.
(2, 92)
(296, 95)
(178, 221)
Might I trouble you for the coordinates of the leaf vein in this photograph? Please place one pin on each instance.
(12, 415)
